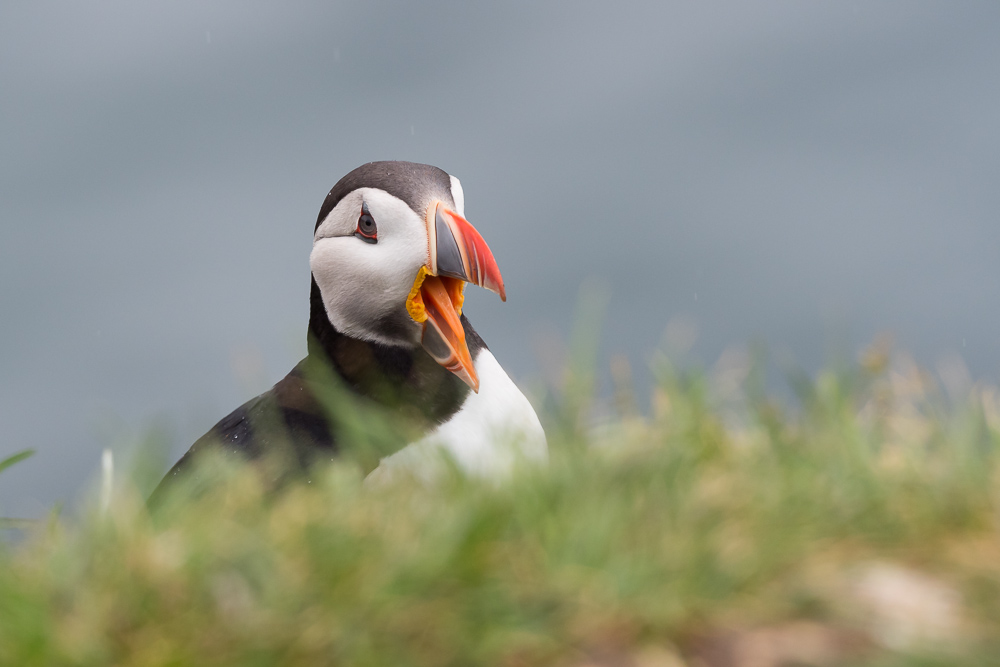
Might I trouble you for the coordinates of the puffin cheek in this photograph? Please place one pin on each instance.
(322, 261)
(399, 263)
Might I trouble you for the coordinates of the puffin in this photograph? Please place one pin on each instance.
(389, 349)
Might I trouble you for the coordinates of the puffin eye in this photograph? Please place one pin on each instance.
(367, 230)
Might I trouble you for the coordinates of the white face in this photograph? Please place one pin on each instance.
(365, 285)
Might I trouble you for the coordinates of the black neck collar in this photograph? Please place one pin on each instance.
(396, 377)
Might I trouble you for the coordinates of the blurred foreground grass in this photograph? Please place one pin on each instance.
(859, 528)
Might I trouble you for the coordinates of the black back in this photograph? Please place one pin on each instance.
(294, 424)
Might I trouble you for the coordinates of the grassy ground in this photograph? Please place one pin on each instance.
(858, 528)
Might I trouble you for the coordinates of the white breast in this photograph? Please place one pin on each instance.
(491, 431)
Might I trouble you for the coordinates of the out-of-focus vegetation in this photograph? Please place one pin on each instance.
(856, 526)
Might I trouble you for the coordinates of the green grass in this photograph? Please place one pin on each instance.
(859, 526)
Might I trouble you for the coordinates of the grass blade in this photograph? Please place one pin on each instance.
(16, 458)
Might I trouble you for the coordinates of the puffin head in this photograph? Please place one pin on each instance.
(391, 256)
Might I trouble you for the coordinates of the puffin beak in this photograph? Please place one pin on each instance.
(458, 251)
(457, 255)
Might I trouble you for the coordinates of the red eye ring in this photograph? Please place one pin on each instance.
(366, 230)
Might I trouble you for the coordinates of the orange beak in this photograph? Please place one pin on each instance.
(457, 255)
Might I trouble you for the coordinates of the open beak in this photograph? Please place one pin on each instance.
(457, 255)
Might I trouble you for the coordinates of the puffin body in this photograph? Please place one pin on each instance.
(391, 256)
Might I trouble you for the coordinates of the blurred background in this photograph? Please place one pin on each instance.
(783, 172)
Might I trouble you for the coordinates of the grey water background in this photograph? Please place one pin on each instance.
(770, 171)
